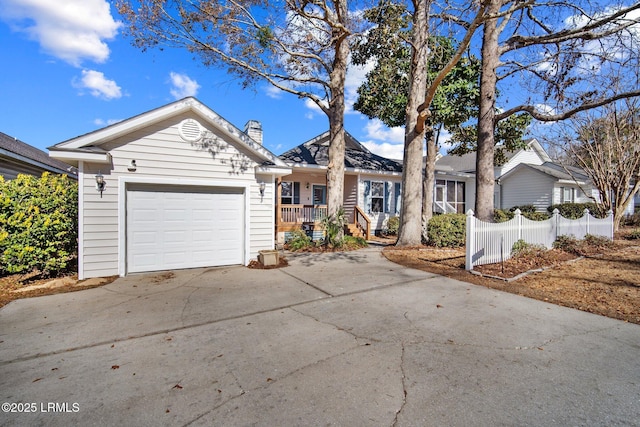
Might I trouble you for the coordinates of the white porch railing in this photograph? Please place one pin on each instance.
(488, 243)
(444, 207)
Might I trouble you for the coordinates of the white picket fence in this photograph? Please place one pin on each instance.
(489, 243)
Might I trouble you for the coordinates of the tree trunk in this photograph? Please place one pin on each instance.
(410, 232)
(429, 182)
(488, 80)
(335, 169)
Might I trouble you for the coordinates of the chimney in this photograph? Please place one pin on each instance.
(253, 128)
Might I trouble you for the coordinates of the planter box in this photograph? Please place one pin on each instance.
(268, 257)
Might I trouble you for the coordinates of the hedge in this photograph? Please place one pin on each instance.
(576, 210)
(447, 230)
(38, 224)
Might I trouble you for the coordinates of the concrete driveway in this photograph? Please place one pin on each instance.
(334, 339)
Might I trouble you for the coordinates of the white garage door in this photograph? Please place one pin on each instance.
(173, 227)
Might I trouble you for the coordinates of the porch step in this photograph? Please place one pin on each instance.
(353, 230)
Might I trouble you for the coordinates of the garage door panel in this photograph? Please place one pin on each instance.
(170, 227)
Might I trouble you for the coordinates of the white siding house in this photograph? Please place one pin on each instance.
(182, 189)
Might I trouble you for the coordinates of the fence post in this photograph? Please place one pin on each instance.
(610, 217)
(470, 240)
(556, 219)
(585, 214)
(518, 216)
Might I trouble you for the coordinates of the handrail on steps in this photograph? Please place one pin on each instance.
(362, 221)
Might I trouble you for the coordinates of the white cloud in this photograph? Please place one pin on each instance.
(385, 149)
(377, 130)
(98, 85)
(355, 76)
(108, 122)
(273, 92)
(183, 86)
(71, 30)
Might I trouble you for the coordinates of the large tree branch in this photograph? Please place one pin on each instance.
(531, 110)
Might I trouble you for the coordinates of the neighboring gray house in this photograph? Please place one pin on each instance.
(18, 157)
(175, 187)
(528, 177)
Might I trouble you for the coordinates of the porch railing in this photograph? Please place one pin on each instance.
(298, 214)
(362, 221)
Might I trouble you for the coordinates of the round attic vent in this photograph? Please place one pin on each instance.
(190, 130)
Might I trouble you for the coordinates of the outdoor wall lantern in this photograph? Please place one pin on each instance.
(307, 185)
(132, 166)
(100, 183)
(262, 187)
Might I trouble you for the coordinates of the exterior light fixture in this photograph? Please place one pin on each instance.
(262, 187)
(307, 185)
(132, 166)
(100, 183)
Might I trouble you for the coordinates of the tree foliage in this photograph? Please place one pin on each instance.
(298, 46)
(38, 224)
(605, 145)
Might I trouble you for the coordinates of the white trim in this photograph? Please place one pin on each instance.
(20, 158)
(122, 208)
(80, 221)
(272, 170)
(79, 156)
(350, 170)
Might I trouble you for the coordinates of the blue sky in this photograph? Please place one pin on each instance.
(68, 70)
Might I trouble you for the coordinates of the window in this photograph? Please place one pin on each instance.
(290, 193)
(449, 196)
(377, 197)
(568, 194)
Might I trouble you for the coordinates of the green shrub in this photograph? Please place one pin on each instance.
(633, 235)
(536, 216)
(522, 248)
(353, 242)
(500, 215)
(393, 225)
(38, 224)
(566, 243)
(524, 209)
(447, 230)
(298, 240)
(576, 210)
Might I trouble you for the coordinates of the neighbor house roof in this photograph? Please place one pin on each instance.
(554, 170)
(23, 155)
(315, 152)
(87, 146)
(467, 162)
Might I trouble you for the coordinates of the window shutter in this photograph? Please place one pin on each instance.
(367, 196)
(296, 193)
(387, 197)
(397, 190)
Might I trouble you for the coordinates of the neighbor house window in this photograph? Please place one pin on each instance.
(568, 195)
(449, 196)
(290, 193)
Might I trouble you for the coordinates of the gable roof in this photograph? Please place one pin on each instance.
(87, 146)
(315, 152)
(467, 162)
(554, 170)
(20, 152)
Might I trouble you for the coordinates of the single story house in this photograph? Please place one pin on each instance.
(17, 157)
(175, 187)
(372, 188)
(528, 177)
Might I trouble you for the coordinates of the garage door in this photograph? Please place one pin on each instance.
(183, 227)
